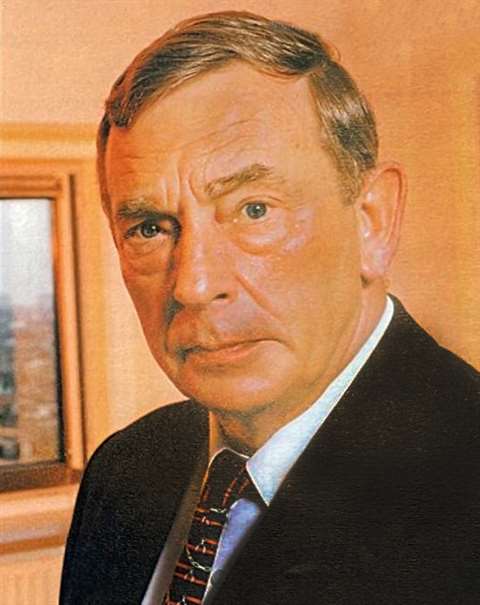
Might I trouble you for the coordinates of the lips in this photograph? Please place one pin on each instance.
(220, 353)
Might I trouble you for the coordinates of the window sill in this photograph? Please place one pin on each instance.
(35, 519)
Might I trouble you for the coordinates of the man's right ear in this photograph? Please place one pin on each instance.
(379, 208)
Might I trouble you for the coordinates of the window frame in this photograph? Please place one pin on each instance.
(23, 179)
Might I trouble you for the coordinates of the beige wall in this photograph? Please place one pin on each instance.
(416, 62)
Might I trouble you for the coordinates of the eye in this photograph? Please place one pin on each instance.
(255, 210)
(149, 230)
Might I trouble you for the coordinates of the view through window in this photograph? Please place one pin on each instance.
(30, 415)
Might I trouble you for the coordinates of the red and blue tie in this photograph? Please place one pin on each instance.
(227, 480)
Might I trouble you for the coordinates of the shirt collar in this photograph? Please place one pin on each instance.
(270, 464)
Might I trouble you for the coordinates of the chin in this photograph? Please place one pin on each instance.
(247, 397)
(243, 380)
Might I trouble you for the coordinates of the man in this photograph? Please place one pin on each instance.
(254, 226)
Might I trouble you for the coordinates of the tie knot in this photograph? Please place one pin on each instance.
(227, 479)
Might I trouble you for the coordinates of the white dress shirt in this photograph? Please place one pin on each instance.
(267, 468)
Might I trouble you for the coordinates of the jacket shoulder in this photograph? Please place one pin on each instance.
(156, 432)
(127, 498)
(431, 392)
(418, 352)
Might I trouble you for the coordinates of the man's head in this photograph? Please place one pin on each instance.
(203, 44)
(253, 279)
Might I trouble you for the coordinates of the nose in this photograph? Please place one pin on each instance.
(201, 269)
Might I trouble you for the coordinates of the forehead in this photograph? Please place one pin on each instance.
(216, 123)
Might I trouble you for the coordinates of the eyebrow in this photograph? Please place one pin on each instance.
(249, 174)
(137, 209)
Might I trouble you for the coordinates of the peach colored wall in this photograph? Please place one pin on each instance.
(416, 61)
(63, 54)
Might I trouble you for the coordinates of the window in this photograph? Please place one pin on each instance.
(41, 432)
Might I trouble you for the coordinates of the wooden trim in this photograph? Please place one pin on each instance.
(68, 324)
(28, 545)
(25, 185)
(54, 180)
(32, 476)
(47, 141)
(35, 519)
(48, 132)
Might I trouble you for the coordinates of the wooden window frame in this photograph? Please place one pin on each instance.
(20, 179)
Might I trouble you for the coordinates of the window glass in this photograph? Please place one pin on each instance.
(30, 426)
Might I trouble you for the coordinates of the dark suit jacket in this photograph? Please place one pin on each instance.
(383, 507)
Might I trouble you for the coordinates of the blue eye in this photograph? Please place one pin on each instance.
(149, 230)
(256, 210)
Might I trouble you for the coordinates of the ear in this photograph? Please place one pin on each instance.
(379, 210)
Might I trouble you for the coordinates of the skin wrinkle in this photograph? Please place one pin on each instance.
(226, 184)
(141, 208)
(180, 147)
(226, 143)
(241, 276)
(292, 278)
(269, 65)
(235, 137)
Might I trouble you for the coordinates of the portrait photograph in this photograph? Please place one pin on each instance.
(239, 294)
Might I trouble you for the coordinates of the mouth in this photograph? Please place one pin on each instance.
(220, 354)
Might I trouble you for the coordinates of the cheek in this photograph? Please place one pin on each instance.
(148, 258)
(316, 267)
(148, 292)
(333, 247)
(316, 253)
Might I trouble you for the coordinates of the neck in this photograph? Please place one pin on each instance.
(248, 432)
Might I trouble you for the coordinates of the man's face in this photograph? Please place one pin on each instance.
(235, 244)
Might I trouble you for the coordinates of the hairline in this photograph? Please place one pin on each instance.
(325, 141)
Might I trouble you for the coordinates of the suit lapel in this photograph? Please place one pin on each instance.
(322, 521)
(148, 497)
(303, 537)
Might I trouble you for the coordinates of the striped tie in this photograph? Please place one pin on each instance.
(227, 480)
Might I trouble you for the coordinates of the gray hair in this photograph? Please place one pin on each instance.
(207, 42)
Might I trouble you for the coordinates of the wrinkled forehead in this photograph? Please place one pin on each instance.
(211, 122)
